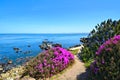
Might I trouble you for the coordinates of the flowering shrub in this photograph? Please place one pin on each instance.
(49, 63)
(102, 32)
(107, 62)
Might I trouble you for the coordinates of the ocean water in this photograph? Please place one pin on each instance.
(10, 41)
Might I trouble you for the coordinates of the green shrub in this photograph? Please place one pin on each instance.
(98, 36)
(49, 63)
(107, 62)
(74, 52)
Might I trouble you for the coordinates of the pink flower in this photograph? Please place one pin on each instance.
(53, 67)
(115, 41)
(55, 59)
(108, 42)
(103, 61)
(56, 53)
(108, 49)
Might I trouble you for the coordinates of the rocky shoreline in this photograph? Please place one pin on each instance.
(16, 72)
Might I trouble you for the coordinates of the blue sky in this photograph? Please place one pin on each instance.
(55, 16)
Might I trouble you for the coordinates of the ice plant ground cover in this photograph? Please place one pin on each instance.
(106, 65)
(49, 63)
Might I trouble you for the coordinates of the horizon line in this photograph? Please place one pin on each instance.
(48, 33)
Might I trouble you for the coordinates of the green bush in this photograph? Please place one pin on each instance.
(107, 62)
(98, 36)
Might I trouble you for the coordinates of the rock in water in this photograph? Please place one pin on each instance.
(1, 69)
(29, 45)
(10, 62)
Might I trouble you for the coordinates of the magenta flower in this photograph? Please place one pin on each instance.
(56, 53)
(96, 70)
(108, 49)
(113, 40)
(103, 61)
(108, 42)
(56, 59)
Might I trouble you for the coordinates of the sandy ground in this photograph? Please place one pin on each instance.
(78, 48)
(74, 48)
(74, 72)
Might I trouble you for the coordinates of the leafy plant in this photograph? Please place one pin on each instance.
(101, 33)
(106, 65)
(75, 52)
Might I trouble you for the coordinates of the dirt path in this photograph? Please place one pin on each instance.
(73, 72)
(74, 48)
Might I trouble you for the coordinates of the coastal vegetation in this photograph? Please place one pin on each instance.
(75, 52)
(22, 73)
(100, 53)
(106, 65)
(101, 33)
(49, 63)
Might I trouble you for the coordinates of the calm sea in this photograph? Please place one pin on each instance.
(9, 41)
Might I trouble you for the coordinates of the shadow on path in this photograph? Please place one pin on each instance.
(83, 76)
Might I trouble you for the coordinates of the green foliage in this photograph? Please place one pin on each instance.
(87, 64)
(107, 62)
(75, 52)
(98, 36)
